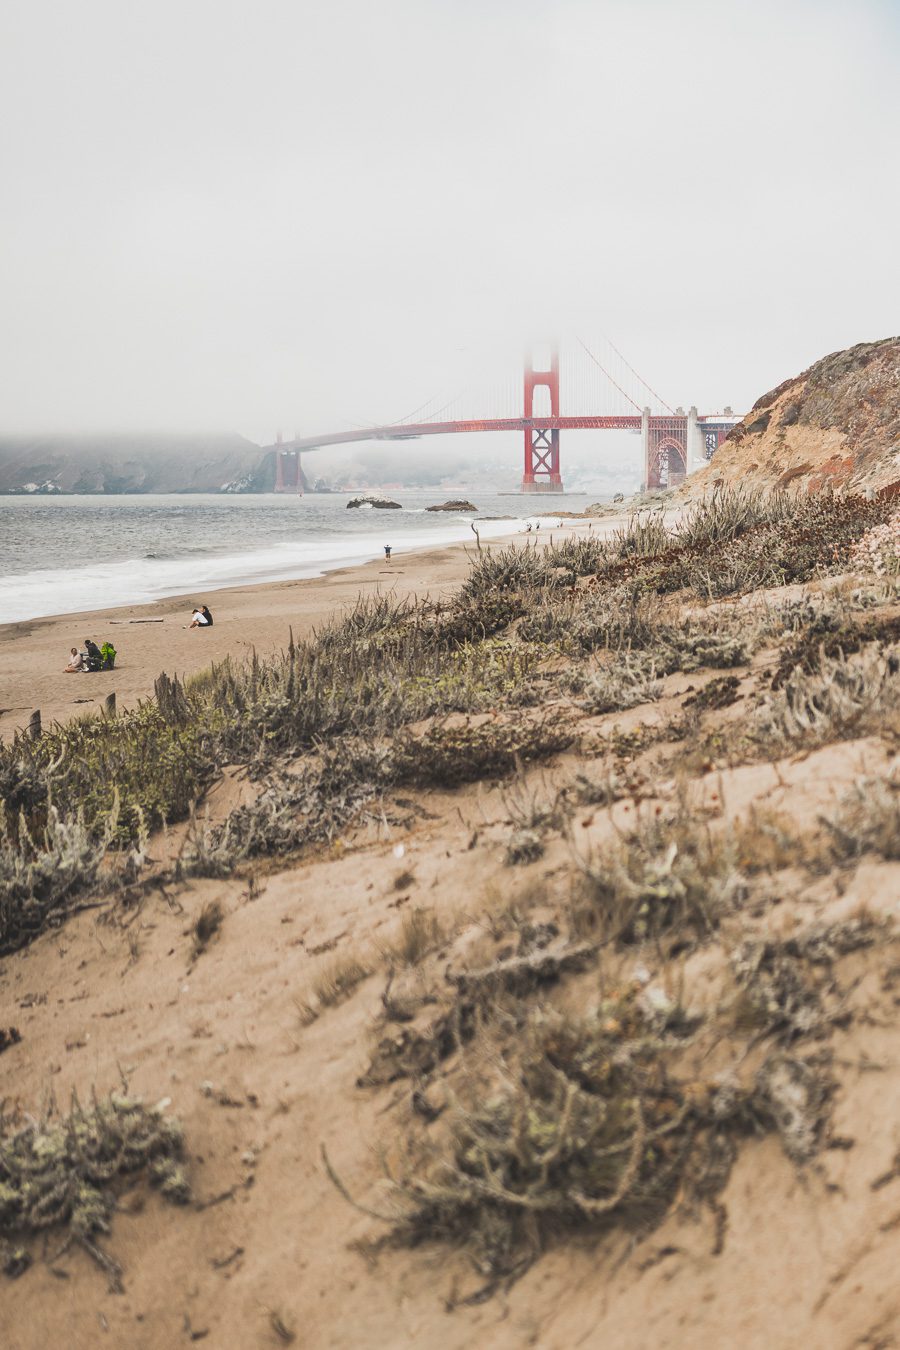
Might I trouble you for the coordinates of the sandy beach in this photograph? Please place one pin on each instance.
(155, 637)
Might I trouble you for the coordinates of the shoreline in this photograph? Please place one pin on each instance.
(254, 616)
(51, 592)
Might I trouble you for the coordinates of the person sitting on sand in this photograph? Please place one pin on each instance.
(198, 619)
(204, 610)
(76, 663)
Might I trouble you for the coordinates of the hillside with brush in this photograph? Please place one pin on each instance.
(516, 969)
(132, 463)
(836, 426)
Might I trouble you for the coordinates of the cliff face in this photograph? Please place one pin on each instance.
(837, 425)
(133, 463)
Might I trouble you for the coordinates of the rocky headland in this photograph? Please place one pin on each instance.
(834, 427)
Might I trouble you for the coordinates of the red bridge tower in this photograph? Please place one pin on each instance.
(288, 473)
(541, 443)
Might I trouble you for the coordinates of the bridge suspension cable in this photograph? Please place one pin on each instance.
(607, 374)
(638, 376)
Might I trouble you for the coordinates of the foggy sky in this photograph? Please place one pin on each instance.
(304, 214)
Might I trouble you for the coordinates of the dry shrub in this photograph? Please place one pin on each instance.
(868, 819)
(830, 635)
(421, 932)
(729, 512)
(846, 697)
(472, 619)
(644, 536)
(717, 643)
(740, 541)
(139, 767)
(585, 1124)
(617, 617)
(553, 1123)
(616, 784)
(625, 683)
(512, 568)
(294, 810)
(581, 554)
(339, 978)
(447, 1013)
(766, 840)
(206, 925)
(668, 874)
(42, 873)
(718, 693)
(448, 754)
(787, 986)
(777, 996)
(67, 1172)
(524, 846)
(536, 807)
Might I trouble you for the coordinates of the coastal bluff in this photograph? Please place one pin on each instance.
(835, 426)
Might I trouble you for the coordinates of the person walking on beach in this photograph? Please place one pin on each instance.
(76, 663)
(387, 553)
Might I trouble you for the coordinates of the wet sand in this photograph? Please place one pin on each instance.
(33, 653)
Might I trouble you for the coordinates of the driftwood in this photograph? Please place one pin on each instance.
(521, 973)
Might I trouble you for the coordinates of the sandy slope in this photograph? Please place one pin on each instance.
(809, 1257)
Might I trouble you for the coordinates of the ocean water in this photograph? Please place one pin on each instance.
(64, 554)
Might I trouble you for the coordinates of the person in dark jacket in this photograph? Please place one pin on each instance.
(206, 614)
(94, 655)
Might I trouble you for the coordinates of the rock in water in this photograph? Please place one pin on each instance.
(453, 506)
(382, 503)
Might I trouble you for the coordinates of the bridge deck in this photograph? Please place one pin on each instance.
(410, 430)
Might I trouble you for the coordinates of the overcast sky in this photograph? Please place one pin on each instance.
(225, 214)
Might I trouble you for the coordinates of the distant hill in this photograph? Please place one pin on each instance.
(837, 424)
(156, 462)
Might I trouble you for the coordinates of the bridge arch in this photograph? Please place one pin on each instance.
(671, 460)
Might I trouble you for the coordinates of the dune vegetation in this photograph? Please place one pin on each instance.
(571, 1068)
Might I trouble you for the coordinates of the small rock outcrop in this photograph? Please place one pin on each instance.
(380, 503)
(453, 506)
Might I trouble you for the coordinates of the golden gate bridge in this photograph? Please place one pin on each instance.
(598, 392)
